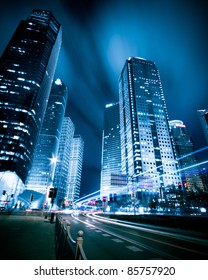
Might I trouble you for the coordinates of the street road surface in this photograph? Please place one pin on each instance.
(106, 239)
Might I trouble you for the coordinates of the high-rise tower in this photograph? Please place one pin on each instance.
(46, 153)
(186, 157)
(27, 68)
(63, 164)
(147, 152)
(111, 152)
(75, 169)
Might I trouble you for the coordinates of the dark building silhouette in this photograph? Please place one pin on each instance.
(186, 156)
(203, 116)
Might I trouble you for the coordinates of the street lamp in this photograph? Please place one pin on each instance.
(52, 161)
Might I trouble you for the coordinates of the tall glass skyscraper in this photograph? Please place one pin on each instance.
(186, 157)
(203, 116)
(46, 153)
(147, 152)
(26, 72)
(63, 163)
(111, 152)
(75, 169)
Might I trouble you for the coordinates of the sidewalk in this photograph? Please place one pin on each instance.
(26, 238)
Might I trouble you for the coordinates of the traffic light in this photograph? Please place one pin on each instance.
(31, 197)
(179, 185)
(12, 195)
(4, 192)
(52, 193)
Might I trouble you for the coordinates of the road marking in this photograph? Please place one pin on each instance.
(97, 230)
(75, 222)
(106, 235)
(130, 240)
(172, 235)
(154, 231)
(134, 249)
(117, 240)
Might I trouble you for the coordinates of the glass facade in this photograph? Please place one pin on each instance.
(186, 157)
(111, 152)
(26, 72)
(75, 169)
(42, 172)
(147, 151)
(64, 153)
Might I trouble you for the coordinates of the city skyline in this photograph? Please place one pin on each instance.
(110, 35)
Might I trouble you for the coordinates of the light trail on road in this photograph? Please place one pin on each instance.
(128, 240)
(167, 234)
(149, 239)
(142, 228)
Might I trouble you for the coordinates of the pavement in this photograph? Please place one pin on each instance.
(26, 237)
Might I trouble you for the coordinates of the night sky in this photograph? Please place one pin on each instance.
(98, 36)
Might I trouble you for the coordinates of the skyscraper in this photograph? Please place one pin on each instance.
(75, 169)
(26, 72)
(186, 157)
(147, 153)
(111, 151)
(203, 116)
(63, 162)
(42, 172)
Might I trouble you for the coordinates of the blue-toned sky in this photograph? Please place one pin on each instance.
(98, 36)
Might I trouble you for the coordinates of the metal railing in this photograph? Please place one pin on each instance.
(67, 248)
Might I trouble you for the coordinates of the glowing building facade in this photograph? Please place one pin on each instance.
(187, 160)
(42, 172)
(27, 68)
(75, 169)
(111, 177)
(147, 152)
(63, 161)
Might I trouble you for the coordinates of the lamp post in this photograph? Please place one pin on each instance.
(53, 160)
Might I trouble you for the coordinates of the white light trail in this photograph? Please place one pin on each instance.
(83, 199)
(192, 153)
(191, 166)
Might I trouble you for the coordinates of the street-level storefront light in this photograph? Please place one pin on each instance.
(203, 210)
